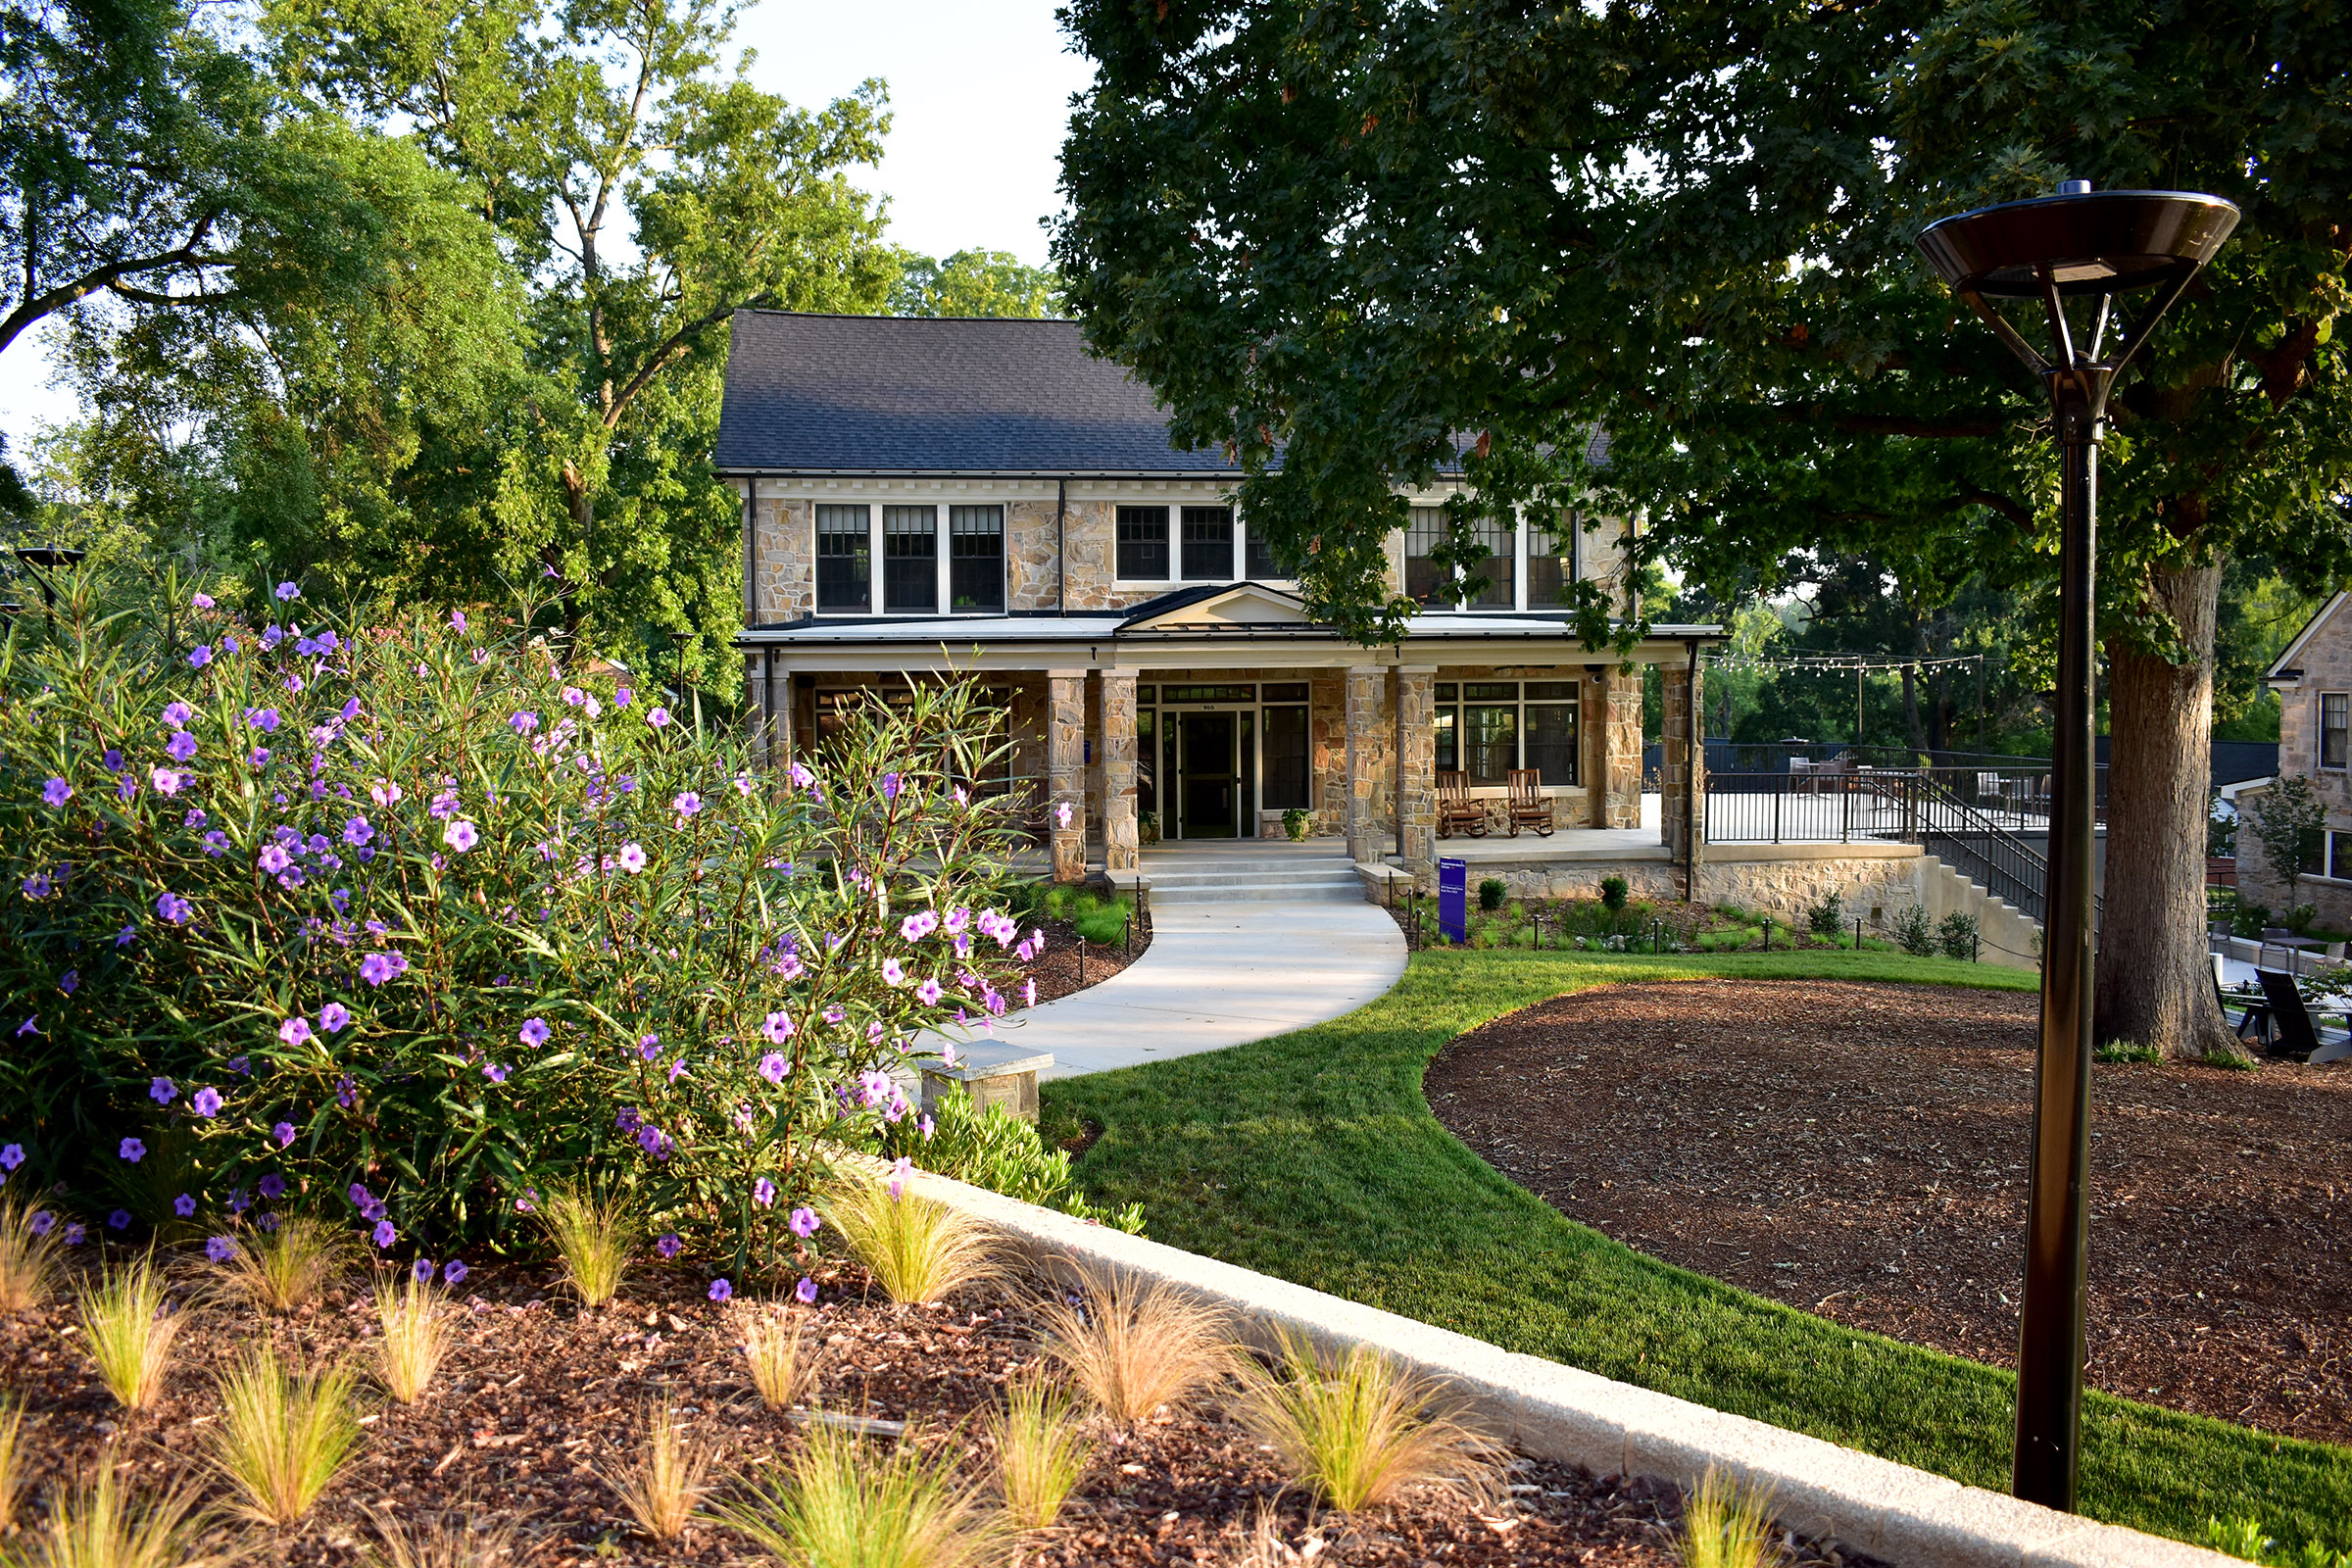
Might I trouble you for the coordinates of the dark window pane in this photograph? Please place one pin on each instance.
(1284, 785)
(1492, 691)
(1208, 694)
(1551, 741)
(1144, 543)
(1551, 691)
(1449, 751)
(1146, 694)
(1146, 759)
(1551, 562)
(1501, 542)
(1263, 568)
(1449, 692)
(1286, 692)
(1208, 543)
(976, 559)
(1490, 743)
(2334, 709)
(843, 577)
(910, 559)
(1425, 581)
(2339, 856)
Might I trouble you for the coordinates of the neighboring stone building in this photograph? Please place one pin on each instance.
(987, 497)
(2314, 682)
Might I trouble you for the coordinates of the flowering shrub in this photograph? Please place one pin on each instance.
(417, 923)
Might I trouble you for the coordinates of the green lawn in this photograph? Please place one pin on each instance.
(1314, 1156)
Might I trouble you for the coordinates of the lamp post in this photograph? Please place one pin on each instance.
(2091, 246)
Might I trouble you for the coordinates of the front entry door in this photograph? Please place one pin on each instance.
(1208, 775)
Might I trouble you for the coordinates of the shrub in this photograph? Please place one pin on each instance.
(1134, 1348)
(436, 921)
(994, 1148)
(2118, 1051)
(2248, 920)
(1296, 822)
(1491, 894)
(1913, 934)
(1104, 923)
(455, 1541)
(1612, 893)
(918, 1250)
(1826, 919)
(129, 1336)
(1958, 935)
(1355, 1429)
(284, 1435)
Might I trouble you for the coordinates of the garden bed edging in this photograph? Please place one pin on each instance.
(1911, 1517)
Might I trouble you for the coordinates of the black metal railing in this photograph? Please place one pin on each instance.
(2015, 790)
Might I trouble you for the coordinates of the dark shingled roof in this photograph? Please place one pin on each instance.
(888, 394)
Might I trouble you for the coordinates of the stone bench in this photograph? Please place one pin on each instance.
(1010, 1083)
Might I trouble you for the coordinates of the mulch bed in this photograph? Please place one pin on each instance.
(539, 1400)
(1859, 1151)
(1056, 970)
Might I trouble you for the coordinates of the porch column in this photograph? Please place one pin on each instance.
(1120, 849)
(1613, 720)
(1065, 771)
(1366, 684)
(1417, 766)
(1681, 770)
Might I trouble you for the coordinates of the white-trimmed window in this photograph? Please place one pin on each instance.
(1524, 567)
(1488, 727)
(920, 571)
(1185, 544)
(2335, 720)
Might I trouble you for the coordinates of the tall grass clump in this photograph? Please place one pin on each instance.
(257, 856)
(665, 1489)
(290, 1267)
(771, 1348)
(28, 1253)
(130, 1337)
(11, 1459)
(413, 1319)
(1042, 1452)
(452, 1540)
(1726, 1524)
(1356, 1429)
(843, 1505)
(283, 1435)
(1134, 1348)
(918, 1250)
(99, 1525)
(593, 1237)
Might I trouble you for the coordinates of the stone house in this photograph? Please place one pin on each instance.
(985, 496)
(2312, 678)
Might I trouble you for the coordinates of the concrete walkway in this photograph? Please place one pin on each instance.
(1215, 975)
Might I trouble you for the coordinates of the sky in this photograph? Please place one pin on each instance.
(979, 93)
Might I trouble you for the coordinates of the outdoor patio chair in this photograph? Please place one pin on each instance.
(1528, 806)
(2294, 1036)
(2240, 1011)
(1457, 809)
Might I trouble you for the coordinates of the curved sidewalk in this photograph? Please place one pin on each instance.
(1215, 975)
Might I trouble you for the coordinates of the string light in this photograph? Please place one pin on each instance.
(1847, 662)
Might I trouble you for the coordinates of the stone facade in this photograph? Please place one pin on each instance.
(1065, 769)
(1367, 751)
(1677, 785)
(2324, 663)
(782, 570)
(1417, 738)
(1115, 698)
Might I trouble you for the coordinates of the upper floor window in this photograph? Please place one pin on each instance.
(1550, 561)
(2335, 713)
(1144, 543)
(844, 570)
(910, 559)
(1439, 587)
(1263, 568)
(1207, 544)
(976, 565)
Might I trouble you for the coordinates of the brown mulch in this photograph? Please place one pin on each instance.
(539, 1402)
(1056, 970)
(1859, 1151)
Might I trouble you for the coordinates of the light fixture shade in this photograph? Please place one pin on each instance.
(2093, 242)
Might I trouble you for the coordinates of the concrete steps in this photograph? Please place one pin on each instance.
(1245, 872)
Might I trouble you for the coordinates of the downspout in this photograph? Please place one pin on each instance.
(1061, 552)
(1397, 750)
(1693, 761)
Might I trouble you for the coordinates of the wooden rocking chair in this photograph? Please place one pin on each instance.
(1455, 807)
(1528, 806)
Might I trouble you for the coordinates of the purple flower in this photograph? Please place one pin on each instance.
(421, 1271)
(892, 972)
(357, 832)
(180, 747)
(201, 601)
(496, 1072)
(379, 967)
(524, 720)
(454, 1272)
(264, 719)
(258, 757)
(533, 1031)
(283, 1132)
(805, 1223)
(76, 1235)
(773, 1066)
(164, 779)
(221, 1249)
(274, 859)
(295, 1031)
(764, 1193)
(119, 1220)
(686, 802)
(918, 926)
(334, 1017)
(163, 1091)
(461, 836)
(38, 885)
(215, 843)
(200, 655)
(658, 716)
(806, 1290)
(183, 1205)
(286, 591)
(928, 992)
(42, 1222)
(207, 1102)
(57, 792)
(632, 859)
(721, 1291)
(1062, 815)
(70, 981)
(11, 1156)
(384, 1235)
(133, 1150)
(274, 1186)
(668, 1244)
(457, 622)
(649, 1046)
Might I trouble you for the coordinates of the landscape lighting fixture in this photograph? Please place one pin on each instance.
(2086, 245)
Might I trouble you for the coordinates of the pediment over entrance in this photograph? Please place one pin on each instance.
(1245, 604)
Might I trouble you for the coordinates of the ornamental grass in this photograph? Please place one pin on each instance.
(844, 1504)
(290, 1267)
(1134, 1348)
(771, 1348)
(1726, 1524)
(452, 1540)
(29, 1256)
(12, 1459)
(284, 1435)
(98, 1524)
(129, 1335)
(1356, 1429)
(918, 1250)
(1041, 1451)
(414, 1318)
(664, 1490)
(593, 1237)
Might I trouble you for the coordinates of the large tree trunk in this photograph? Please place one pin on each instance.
(2155, 981)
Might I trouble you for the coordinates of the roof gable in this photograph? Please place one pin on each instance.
(2312, 631)
(1244, 603)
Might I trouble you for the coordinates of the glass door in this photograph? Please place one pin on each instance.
(1212, 793)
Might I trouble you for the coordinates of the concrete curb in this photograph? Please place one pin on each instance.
(1910, 1517)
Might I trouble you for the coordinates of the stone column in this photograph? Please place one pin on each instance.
(1065, 771)
(1366, 684)
(1121, 850)
(1614, 714)
(1417, 766)
(1682, 766)
(1593, 737)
